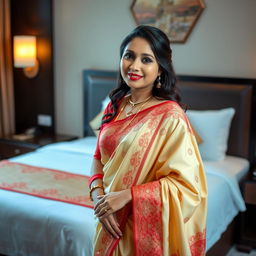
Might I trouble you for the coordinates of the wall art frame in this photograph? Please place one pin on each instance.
(176, 18)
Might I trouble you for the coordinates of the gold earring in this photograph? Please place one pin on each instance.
(158, 82)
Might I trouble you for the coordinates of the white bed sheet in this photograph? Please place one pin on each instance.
(224, 196)
(32, 226)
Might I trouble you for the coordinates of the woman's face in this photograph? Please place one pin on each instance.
(139, 67)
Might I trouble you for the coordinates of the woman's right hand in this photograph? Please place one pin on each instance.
(111, 226)
(109, 222)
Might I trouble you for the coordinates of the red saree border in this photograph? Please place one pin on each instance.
(124, 214)
(147, 219)
(144, 110)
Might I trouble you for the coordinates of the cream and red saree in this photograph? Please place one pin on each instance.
(155, 153)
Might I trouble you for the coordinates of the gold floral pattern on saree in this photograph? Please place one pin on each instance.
(128, 144)
(190, 151)
(197, 243)
(113, 132)
(127, 179)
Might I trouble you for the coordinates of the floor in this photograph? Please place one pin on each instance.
(234, 252)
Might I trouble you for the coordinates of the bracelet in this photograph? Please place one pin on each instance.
(93, 188)
(94, 177)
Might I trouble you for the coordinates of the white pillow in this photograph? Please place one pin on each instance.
(104, 103)
(213, 126)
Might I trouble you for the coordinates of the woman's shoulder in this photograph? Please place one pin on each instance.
(172, 111)
(168, 106)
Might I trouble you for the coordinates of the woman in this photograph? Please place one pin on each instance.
(148, 184)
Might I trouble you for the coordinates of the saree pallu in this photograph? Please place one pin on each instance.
(154, 153)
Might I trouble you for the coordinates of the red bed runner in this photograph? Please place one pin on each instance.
(46, 183)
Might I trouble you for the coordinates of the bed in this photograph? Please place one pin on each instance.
(33, 226)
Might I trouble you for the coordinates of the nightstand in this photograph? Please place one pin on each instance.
(10, 147)
(248, 222)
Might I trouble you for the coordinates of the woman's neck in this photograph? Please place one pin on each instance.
(139, 96)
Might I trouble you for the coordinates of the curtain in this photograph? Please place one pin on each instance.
(7, 122)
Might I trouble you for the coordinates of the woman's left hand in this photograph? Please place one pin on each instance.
(111, 202)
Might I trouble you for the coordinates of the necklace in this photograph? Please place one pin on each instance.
(130, 112)
(136, 103)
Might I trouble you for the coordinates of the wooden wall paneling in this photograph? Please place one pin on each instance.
(34, 96)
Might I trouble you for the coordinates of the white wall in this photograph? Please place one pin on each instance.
(223, 43)
(88, 34)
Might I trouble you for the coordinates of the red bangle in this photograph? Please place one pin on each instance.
(94, 177)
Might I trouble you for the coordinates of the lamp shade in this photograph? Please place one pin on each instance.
(24, 51)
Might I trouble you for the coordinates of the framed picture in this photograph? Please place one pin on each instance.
(175, 17)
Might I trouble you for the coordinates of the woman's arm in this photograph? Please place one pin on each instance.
(109, 222)
(115, 200)
(96, 168)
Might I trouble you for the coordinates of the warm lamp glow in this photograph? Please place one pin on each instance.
(24, 51)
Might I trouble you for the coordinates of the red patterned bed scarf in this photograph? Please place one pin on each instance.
(46, 183)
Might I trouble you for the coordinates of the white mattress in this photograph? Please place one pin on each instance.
(233, 166)
(224, 196)
(34, 226)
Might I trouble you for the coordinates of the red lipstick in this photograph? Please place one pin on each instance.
(134, 77)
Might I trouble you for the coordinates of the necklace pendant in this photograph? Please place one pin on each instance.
(137, 103)
(129, 113)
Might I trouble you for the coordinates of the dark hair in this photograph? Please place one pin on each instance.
(160, 45)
